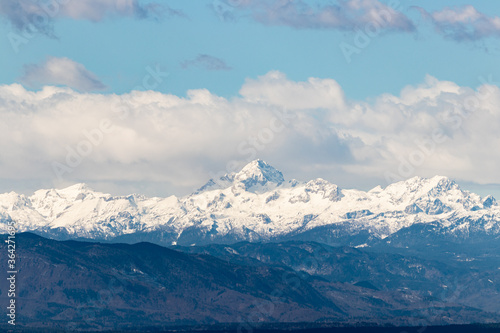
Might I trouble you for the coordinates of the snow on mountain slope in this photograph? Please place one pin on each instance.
(18, 207)
(253, 204)
(256, 176)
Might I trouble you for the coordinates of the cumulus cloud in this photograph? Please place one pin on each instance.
(61, 71)
(170, 144)
(38, 15)
(344, 15)
(275, 88)
(464, 23)
(207, 62)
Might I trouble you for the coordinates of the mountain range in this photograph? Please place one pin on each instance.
(417, 252)
(257, 204)
(89, 286)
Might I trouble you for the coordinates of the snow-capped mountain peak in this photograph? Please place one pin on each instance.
(417, 187)
(489, 201)
(59, 199)
(258, 174)
(76, 192)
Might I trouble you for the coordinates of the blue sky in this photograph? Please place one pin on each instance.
(118, 49)
(108, 48)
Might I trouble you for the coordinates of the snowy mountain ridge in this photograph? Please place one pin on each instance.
(253, 204)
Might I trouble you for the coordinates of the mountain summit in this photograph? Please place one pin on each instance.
(258, 173)
(255, 176)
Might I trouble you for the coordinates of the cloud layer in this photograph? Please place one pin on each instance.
(464, 23)
(344, 15)
(61, 71)
(307, 129)
(38, 15)
(207, 62)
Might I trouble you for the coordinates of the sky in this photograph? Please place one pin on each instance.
(157, 97)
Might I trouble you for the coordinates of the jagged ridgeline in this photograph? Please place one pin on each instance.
(418, 252)
(259, 204)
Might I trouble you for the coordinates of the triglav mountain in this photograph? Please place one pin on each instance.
(258, 204)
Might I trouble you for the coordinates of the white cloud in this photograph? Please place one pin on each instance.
(96, 10)
(169, 144)
(343, 15)
(274, 88)
(463, 23)
(207, 62)
(61, 71)
(40, 14)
